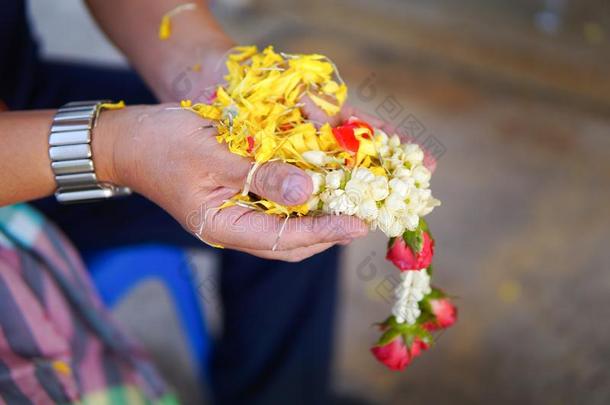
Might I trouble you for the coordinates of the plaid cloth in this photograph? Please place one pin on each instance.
(58, 345)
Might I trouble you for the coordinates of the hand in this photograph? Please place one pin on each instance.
(172, 157)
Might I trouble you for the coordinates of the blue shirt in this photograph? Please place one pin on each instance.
(18, 55)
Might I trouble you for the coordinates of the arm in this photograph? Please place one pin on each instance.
(196, 39)
(25, 167)
(171, 157)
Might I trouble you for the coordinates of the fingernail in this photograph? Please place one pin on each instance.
(295, 189)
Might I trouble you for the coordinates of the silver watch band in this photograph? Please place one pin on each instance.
(71, 157)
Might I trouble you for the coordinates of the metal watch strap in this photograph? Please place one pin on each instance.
(71, 156)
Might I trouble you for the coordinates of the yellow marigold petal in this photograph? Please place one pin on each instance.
(341, 94)
(378, 171)
(165, 28)
(226, 204)
(222, 96)
(207, 111)
(113, 106)
(331, 87)
(300, 209)
(328, 107)
(366, 148)
(266, 149)
(327, 140)
(242, 53)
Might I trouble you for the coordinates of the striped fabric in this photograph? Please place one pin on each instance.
(57, 343)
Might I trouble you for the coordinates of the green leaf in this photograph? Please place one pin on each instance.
(409, 338)
(423, 225)
(388, 336)
(414, 239)
(426, 313)
(436, 293)
(425, 336)
(346, 179)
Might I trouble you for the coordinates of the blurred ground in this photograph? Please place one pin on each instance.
(517, 95)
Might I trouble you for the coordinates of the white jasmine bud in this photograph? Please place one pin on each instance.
(313, 203)
(388, 224)
(334, 179)
(413, 153)
(384, 150)
(402, 173)
(394, 141)
(318, 181)
(357, 190)
(422, 176)
(379, 188)
(395, 204)
(381, 137)
(316, 158)
(363, 174)
(367, 210)
(413, 287)
(399, 187)
(409, 221)
(339, 203)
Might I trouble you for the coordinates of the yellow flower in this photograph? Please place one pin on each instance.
(207, 111)
(113, 106)
(165, 28)
(326, 139)
(328, 107)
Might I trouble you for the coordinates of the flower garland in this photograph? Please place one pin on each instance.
(355, 169)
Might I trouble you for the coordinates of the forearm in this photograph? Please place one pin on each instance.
(25, 166)
(133, 26)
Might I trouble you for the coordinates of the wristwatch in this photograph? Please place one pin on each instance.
(71, 157)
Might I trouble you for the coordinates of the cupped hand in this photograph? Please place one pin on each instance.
(172, 157)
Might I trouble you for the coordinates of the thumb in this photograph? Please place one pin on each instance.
(279, 182)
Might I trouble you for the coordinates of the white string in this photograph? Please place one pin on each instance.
(182, 7)
(279, 235)
(246, 189)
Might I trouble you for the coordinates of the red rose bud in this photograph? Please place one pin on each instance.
(356, 123)
(395, 354)
(405, 259)
(445, 314)
(417, 347)
(345, 136)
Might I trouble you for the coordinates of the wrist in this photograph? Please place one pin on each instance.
(110, 127)
(193, 69)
